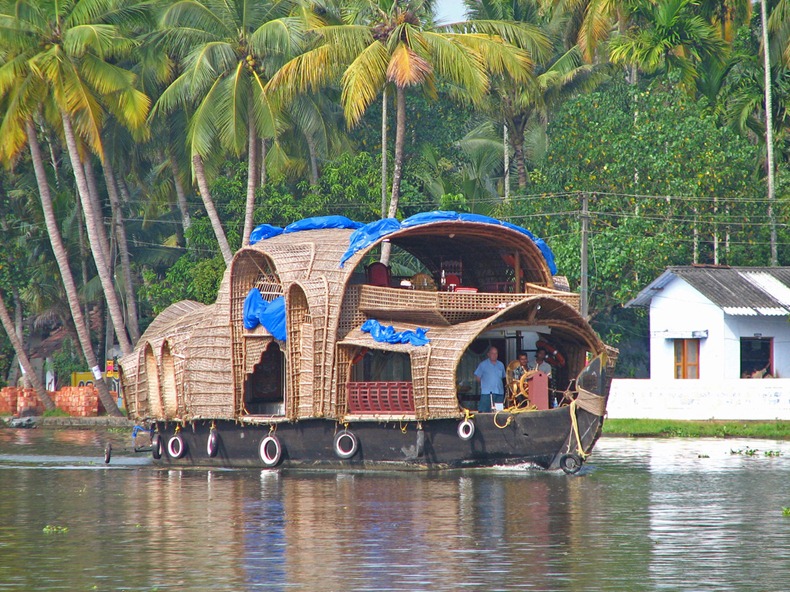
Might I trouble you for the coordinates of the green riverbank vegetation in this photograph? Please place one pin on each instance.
(143, 140)
(771, 430)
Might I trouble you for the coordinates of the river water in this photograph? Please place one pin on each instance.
(643, 514)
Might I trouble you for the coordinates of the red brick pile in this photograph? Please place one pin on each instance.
(78, 401)
(8, 400)
(28, 403)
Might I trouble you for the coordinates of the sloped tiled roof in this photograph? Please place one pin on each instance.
(738, 291)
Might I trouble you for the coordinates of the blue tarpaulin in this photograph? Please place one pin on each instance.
(320, 222)
(269, 314)
(370, 233)
(264, 231)
(388, 334)
(367, 235)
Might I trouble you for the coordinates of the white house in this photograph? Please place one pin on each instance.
(712, 329)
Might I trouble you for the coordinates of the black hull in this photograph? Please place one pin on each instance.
(540, 437)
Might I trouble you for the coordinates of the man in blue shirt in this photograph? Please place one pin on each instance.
(490, 374)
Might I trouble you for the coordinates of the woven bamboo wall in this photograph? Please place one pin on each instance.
(249, 269)
(297, 360)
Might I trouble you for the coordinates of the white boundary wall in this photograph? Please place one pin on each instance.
(738, 399)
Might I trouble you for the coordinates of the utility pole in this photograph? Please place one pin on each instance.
(585, 232)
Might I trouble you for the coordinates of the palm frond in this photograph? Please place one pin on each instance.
(363, 80)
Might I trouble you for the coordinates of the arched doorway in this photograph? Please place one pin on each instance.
(154, 392)
(264, 388)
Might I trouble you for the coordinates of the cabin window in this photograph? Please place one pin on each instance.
(756, 357)
(383, 366)
(686, 358)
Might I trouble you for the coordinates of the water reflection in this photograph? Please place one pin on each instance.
(642, 515)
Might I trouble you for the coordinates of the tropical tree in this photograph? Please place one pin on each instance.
(385, 42)
(57, 63)
(227, 51)
(670, 36)
(524, 107)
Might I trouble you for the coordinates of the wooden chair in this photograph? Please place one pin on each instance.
(378, 274)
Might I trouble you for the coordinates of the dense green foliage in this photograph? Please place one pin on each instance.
(663, 134)
(774, 430)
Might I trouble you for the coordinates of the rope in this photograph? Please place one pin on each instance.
(511, 411)
(575, 430)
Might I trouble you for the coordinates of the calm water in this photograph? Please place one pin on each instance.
(642, 515)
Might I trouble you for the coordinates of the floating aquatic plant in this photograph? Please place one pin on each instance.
(52, 529)
(785, 511)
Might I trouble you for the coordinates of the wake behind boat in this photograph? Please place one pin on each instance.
(314, 356)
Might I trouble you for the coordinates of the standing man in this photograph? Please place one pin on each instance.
(490, 374)
(541, 363)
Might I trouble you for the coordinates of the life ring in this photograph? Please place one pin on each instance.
(270, 450)
(466, 429)
(553, 356)
(345, 444)
(212, 445)
(176, 447)
(571, 463)
(156, 446)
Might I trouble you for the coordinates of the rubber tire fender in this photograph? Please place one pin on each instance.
(571, 463)
(338, 446)
(176, 447)
(466, 429)
(212, 444)
(157, 448)
(270, 460)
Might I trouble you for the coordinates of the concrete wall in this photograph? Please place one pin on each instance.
(740, 399)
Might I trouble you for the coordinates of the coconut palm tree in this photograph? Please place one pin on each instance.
(672, 37)
(386, 42)
(61, 53)
(227, 51)
(523, 107)
(57, 63)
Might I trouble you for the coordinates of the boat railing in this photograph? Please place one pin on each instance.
(446, 308)
(388, 397)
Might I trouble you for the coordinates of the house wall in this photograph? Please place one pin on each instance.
(742, 399)
(680, 308)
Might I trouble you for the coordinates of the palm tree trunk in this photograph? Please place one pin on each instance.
(313, 161)
(181, 194)
(400, 141)
(62, 259)
(92, 222)
(397, 165)
(769, 135)
(205, 195)
(123, 247)
(384, 153)
(263, 161)
(30, 374)
(252, 180)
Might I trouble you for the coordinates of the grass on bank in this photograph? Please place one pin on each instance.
(777, 430)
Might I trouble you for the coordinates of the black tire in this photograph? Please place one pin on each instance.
(157, 448)
(571, 463)
(176, 447)
(107, 453)
(345, 444)
(466, 429)
(212, 445)
(270, 450)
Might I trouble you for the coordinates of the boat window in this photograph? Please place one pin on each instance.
(383, 366)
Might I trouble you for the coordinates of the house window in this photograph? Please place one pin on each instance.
(756, 356)
(686, 358)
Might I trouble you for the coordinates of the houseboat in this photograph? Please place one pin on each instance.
(316, 354)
